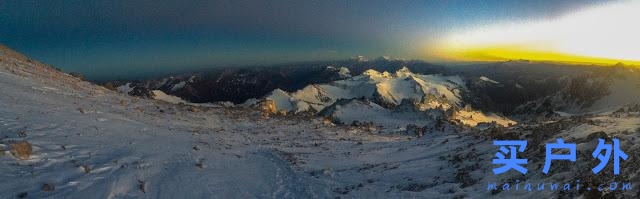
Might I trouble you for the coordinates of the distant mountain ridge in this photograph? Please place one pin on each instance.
(239, 84)
(602, 90)
(499, 87)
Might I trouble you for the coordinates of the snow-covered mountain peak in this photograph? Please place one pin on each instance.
(387, 89)
(404, 72)
(343, 72)
(374, 74)
(380, 89)
(401, 73)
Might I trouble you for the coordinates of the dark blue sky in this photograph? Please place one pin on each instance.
(110, 38)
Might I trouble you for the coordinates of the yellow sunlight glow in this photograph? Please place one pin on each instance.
(605, 34)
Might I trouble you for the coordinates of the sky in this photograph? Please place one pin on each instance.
(114, 38)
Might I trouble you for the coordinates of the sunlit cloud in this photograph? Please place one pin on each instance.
(601, 34)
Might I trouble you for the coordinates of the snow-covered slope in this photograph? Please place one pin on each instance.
(90, 142)
(474, 117)
(159, 95)
(602, 91)
(343, 72)
(355, 111)
(486, 79)
(623, 89)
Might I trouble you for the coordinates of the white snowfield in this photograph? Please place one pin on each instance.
(486, 79)
(90, 142)
(159, 95)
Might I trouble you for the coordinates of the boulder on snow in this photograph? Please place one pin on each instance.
(21, 150)
(282, 113)
(267, 107)
(328, 121)
(193, 109)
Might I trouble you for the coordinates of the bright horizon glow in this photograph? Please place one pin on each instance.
(603, 35)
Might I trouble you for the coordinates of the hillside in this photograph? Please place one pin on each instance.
(62, 137)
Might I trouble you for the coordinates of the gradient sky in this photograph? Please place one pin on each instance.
(111, 39)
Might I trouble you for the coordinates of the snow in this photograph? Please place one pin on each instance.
(365, 111)
(249, 103)
(433, 90)
(126, 88)
(486, 79)
(603, 92)
(146, 149)
(159, 95)
(178, 86)
(133, 150)
(623, 90)
(344, 72)
(426, 92)
(473, 118)
(87, 143)
(360, 58)
(282, 100)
